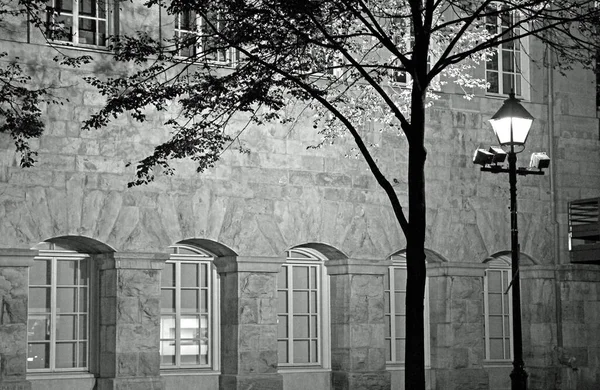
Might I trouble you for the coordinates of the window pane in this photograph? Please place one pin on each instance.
(87, 31)
(400, 343)
(167, 327)
(494, 281)
(167, 353)
(204, 275)
(66, 327)
(65, 355)
(282, 351)
(190, 327)
(38, 327)
(167, 277)
(314, 305)
(495, 303)
(39, 299)
(282, 327)
(300, 277)
(492, 78)
(189, 300)
(400, 326)
(301, 326)
(508, 82)
(313, 277)
(87, 7)
(66, 299)
(314, 349)
(83, 299)
(83, 272)
(300, 304)
(314, 326)
(189, 275)
(496, 351)
(66, 272)
(190, 352)
(496, 327)
(400, 306)
(39, 273)
(204, 300)
(301, 351)
(82, 327)
(399, 279)
(82, 355)
(167, 301)
(38, 356)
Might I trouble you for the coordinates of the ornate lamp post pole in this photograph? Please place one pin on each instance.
(511, 124)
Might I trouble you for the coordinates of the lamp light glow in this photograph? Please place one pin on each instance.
(512, 122)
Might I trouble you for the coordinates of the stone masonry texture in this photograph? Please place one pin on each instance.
(250, 209)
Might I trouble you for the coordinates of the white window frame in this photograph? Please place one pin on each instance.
(502, 267)
(227, 57)
(303, 257)
(397, 358)
(75, 16)
(54, 254)
(200, 258)
(521, 71)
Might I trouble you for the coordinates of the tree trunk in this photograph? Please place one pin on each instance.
(415, 247)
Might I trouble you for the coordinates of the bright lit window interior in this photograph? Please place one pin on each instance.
(299, 289)
(58, 316)
(497, 311)
(187, 309)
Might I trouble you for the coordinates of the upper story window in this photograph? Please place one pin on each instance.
(497, 311)
(302, 314)
(196, 36)
(508, 69)
(80, 22)
(395, 312)
(188, 321)
(58, 320)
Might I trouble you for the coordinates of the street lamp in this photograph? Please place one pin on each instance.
(511, 124)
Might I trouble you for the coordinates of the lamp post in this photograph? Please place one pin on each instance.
(511, 124)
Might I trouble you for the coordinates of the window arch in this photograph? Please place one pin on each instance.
(497, 309)
(395, 311)
(189, 310)
(59, 310)
(302, 288)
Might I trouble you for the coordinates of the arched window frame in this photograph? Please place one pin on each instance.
(184, 255)
(393, 310)
(84, 327)
(298, 258)
(491, 289)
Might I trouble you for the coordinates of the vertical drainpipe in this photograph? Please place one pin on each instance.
(553, 202)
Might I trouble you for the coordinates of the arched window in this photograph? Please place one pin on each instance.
(58, 321)
(302, 315)
(188, 322)
(497, 310)
(395, 312)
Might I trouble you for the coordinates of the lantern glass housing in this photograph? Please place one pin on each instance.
(512, 122)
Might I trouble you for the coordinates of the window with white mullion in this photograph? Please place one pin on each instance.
(58, 318)
(395, 313)
(498, 314)
(507, 67)
(81, 22)
(299, 310)
(196, 36)
(187, 335)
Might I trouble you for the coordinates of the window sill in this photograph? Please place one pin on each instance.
(289, 370)
(81, 47)
(188, 372)
(492, 95)
(37, 376)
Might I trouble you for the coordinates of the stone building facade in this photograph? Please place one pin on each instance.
(283, 269)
